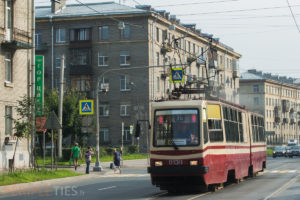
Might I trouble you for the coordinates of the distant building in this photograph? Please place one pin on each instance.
(110, 37)
(15, 62)
(275, 97)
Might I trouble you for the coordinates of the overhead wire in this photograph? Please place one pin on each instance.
(198, 3)
(293, 15)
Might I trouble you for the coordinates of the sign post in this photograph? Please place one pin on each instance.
(52, 123)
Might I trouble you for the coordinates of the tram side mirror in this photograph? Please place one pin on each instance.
(137, 130)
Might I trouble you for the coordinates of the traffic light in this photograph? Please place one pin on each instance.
(137, 130)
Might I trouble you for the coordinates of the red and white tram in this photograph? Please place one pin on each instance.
(204, 143)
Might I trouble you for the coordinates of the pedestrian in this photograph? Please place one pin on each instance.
(88, 158)
(117, 160)
(75, 154)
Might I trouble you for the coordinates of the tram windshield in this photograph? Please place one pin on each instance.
(177, 127)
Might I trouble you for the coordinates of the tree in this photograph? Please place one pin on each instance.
(23, 124)
(72, 120)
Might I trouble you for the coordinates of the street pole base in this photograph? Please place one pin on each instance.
(97, 168)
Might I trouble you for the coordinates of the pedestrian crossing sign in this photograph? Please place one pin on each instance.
(86, 107)
(176, 75)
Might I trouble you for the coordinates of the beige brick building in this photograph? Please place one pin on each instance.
(123, 45)
(275, 97)
(15, 60)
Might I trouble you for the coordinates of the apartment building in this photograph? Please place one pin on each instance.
(130, 50)
(15, 62)
(275, 97)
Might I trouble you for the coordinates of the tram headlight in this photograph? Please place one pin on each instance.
(158, 163)
(193, 162)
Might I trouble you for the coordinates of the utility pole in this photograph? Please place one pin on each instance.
(33, 82)
(60, 105)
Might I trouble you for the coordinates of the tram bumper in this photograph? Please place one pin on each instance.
(178, 170)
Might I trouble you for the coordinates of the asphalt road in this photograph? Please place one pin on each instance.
(280, 181)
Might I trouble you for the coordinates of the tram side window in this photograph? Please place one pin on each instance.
(215, 130)
(231, 125)
(241, 132)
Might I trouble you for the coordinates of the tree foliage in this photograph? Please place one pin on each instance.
(72, 120)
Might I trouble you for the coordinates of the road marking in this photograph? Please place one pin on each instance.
(274, 171)
(107, 188)
(125, 175)
(197, 196)
(292, 171)
(157, 195)
(283, 171)
(284, 187)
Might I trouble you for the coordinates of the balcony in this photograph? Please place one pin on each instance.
(81, 69)
(20, 40)
(293, 120)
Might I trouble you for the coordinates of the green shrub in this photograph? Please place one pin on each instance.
(131, 149)
(109, 151)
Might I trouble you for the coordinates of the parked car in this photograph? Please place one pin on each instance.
(279, 151)
(293, 151)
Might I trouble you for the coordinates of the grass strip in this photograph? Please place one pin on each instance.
(34, 175)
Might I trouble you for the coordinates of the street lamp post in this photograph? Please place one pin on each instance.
(97, 166)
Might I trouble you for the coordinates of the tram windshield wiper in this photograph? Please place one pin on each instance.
(174, 145)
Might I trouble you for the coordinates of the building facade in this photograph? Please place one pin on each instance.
(15, 62)
(275, 97)
(130, 50)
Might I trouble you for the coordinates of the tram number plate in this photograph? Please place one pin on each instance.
(175, 162)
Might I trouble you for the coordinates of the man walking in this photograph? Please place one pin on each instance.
(117, 160)
(75, 154)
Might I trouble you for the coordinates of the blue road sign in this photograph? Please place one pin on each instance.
(86, 107)
(176, 75)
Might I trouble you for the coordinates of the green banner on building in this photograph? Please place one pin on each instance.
(39, 85)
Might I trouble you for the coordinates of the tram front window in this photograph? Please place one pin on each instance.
(178, 127)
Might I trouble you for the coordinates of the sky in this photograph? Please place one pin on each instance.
(265, 32)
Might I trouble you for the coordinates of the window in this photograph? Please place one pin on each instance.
(125, 33)
(124, 83)
(255, 88)
(103, 32)
(104, 134)
(256, 101)
(127, 135)
(157, 34)
(81, 83)
(104, 110)
(60, 35)
(38, 38)
(8, 68)
(124, 110)
(104, 85)
(189, 47)
(8, 120)
(102, 60)
(8, 21)
(82, 34)
(58, 62)
(157, 84)
(157, 58)
(80, 56)
(124, 58)
(215, 130)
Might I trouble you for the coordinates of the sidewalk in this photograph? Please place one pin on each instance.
(46, 184)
